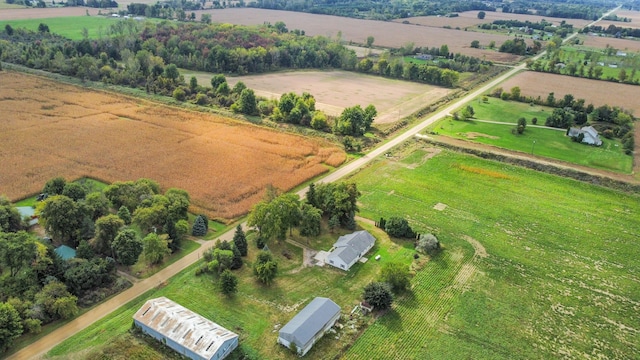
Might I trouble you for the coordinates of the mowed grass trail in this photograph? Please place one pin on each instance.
(560, 278)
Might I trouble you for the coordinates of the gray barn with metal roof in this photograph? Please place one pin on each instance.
(350, 248)
(184, 331)
(309, 324)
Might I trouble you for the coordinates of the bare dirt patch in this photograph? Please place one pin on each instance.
(473, 135)
(386, 34)
(336, 90)
(597, 92)
(42, 13)
(440, 206)
(480, 251)
(470, 18)
(50, 129)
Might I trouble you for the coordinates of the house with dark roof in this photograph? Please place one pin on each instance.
(186, 332)
(349, 249)
(309, 325)
(588, 134)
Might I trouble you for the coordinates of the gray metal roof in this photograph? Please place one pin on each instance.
(309, 321)
(191, 330)
(352, 246)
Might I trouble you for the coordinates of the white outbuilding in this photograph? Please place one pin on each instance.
(309, 325)
(184, 331)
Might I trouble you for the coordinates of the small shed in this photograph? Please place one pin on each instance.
(186, 332)
(309, 324)
(350, 248)
(65, 252)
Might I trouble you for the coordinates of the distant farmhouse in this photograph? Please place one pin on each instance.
(184, 331)
(349, 249)
(309, 325)
(586, 135)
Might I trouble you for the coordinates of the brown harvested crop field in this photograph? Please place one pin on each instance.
(42, 13)
(335, 90)
(386, 33)
(470, 18)
(51, 129)
(601, 42)
(596, 92)
(633, 15)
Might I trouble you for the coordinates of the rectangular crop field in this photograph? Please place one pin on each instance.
(335, 90)
(69, 27)
(45, 13)
(601, 42)
(469, 19)
(51, 129)
(596, 92)
(385, 33)
(533, 265)
(508, 111)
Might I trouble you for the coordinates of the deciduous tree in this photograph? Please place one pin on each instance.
(107, 227)
(265, 268)
(127, 247)
(378, 295)
(397, 275)
(155, 248)
(10, 325)
(62, 218)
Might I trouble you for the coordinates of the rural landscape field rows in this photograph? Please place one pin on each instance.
(456, 125)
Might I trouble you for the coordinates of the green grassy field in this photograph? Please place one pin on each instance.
(509, 111)
(255, 309)
(560, 275)
(548, 143)
(70, 27)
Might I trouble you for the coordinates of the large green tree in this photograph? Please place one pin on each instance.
(17, 250)
(107, 228)
(155, 248)
(10, 325)
(127, 247)
(378, 294)
(62, 218)
(265, 268)
(10, 219)
(310, 220)
(54, 186)
(274, 217)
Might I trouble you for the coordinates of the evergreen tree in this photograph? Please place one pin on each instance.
(237, 258)
(199, 227)
(311, 195)
(228, 283)
(240, 240)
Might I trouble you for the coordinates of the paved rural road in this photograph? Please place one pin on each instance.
(40, 347)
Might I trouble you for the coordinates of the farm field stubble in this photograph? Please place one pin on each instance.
(631, 14)
(386, 34)
(601, 42)
(51, 129)
(558, 274)
(336, 90)
(469, 19)
(596, 92)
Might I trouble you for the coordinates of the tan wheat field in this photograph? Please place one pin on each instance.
(50, 129)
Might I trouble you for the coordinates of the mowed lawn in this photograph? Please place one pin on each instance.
(256, 311)
(560, 275)
(548, 143)
(69, 27)
(509, 111)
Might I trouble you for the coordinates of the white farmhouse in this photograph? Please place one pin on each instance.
(589, 135)
(349, 249)
(309, 324)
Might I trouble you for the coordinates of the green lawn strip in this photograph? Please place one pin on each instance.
(559, 250)
(255, 309)
(548, 143)
(509, 111)
(69, 27)
(90, 184)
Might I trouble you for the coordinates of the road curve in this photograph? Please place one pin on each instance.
(44, 344)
